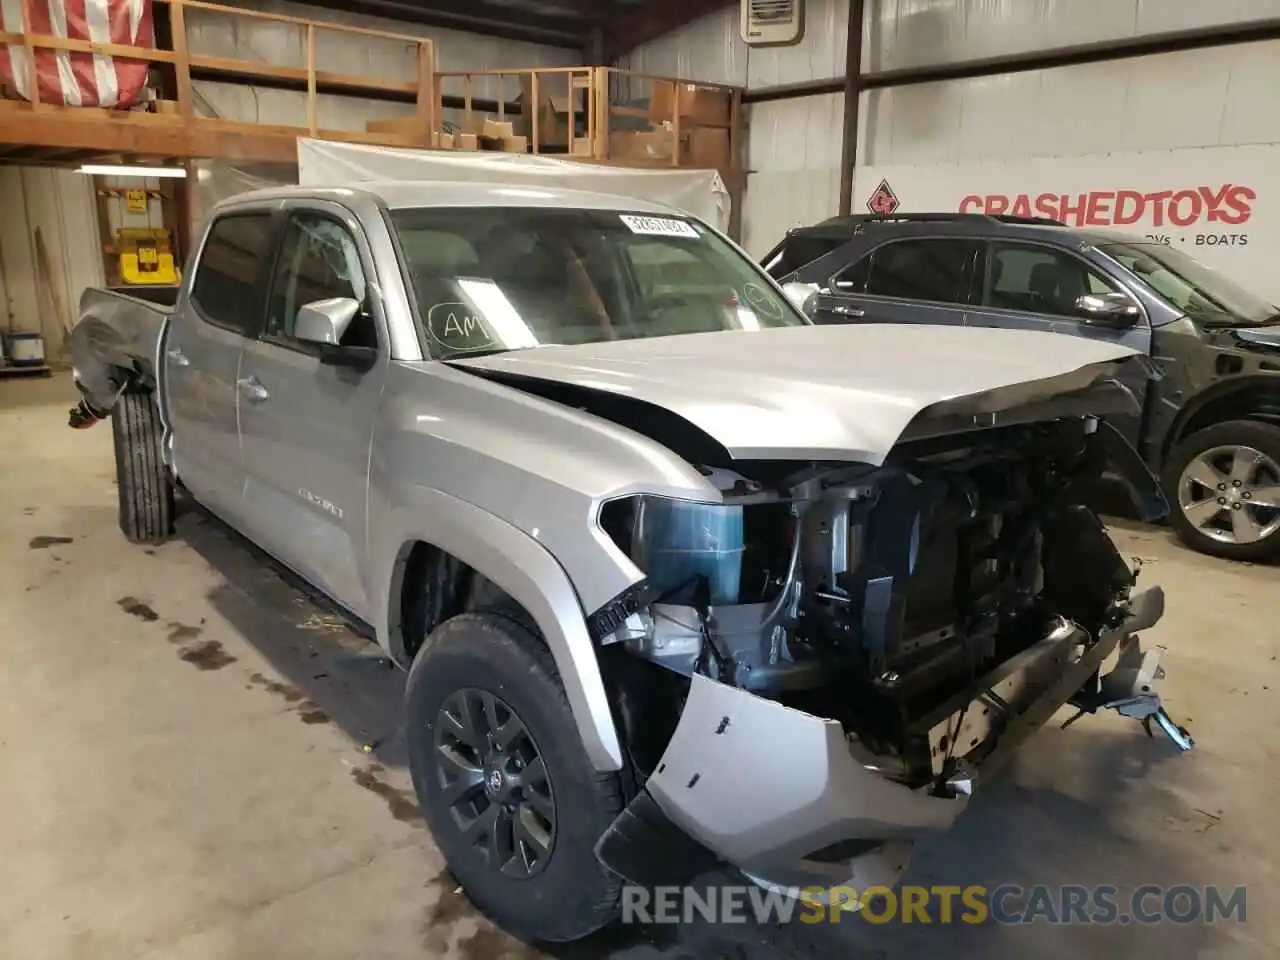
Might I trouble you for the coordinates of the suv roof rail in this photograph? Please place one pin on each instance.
(862, 219)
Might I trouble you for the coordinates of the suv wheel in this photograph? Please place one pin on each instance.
(505, 785)
(1223, 485)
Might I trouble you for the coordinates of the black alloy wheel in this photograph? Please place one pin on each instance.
(494, 782)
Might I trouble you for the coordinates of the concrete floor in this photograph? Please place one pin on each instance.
(182, 772)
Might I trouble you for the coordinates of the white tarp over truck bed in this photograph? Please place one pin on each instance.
(326, 163)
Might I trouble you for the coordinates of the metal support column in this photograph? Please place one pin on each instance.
(852, 90)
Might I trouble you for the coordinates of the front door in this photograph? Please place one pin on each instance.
(202, 353)
(1035, 286)
(917, 280)
(306, 426)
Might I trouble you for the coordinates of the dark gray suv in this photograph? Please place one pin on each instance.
(1209, 424)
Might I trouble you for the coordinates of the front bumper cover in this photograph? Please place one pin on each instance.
(765, 787)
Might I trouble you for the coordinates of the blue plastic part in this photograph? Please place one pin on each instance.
(678, 541)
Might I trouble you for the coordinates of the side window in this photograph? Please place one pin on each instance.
(1038, 279)
(935, 270)
(319, 260)
(223, 286)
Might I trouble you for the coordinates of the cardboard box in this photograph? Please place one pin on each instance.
(552, 111)
(445, 141)
(652, 145)
(515, 144)
(696, 104)
(496, 129)
(707, 147)
(466, 141)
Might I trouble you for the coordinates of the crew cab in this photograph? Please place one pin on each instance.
(679, 577)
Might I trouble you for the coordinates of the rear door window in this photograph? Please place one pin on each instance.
(798, 250)
(937, 270)
(226, 289)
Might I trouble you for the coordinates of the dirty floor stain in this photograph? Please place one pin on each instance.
(182, 632)
(135, 607)
(402, 806)
(43, 543)
(207, 656)
(290, 693)
(312, 714)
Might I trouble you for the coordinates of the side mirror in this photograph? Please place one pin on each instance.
(324, 323)
(803, 296)
(1108, 309)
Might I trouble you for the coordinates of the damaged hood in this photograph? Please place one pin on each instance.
(840, 392)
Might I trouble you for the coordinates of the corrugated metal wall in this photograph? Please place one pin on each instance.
(1201, 98)
(62, 202)
(793, 146)
(41, 281)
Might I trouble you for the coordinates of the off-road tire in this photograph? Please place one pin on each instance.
(143, 483)
(573, 896)
(1264, 437)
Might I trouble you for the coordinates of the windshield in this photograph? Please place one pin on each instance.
(489, 279)
(1197, 290)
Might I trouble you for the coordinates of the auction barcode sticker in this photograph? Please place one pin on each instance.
(659, 226)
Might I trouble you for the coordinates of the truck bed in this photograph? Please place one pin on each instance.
(118, 337)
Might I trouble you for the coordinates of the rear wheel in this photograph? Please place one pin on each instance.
(1223, 485)
(504, 782)
(143, 483)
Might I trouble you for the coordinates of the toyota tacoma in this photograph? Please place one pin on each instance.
(679, 577)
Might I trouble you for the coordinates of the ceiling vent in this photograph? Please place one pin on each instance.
(772, 22)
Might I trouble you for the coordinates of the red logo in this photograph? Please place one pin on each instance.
(1228, 203)
(883, 201)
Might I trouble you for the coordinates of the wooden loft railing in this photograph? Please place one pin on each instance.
(37, 132)
(598, 114)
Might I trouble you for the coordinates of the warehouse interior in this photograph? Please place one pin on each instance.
(207, 759)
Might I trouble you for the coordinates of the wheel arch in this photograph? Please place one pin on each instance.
(438, 527)
(1245, 398)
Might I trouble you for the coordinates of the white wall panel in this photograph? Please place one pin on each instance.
(818, 56)
(711, 50)
(708, 49)
(913, 33)
(61, 203)
(1199, 98)
(794, 174)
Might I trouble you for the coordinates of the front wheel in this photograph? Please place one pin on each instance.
(1223, 485)
(504, 782)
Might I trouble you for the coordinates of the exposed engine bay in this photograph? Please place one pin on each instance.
(873, 596)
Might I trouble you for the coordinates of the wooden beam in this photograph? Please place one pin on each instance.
(33, 75)
(182, 61)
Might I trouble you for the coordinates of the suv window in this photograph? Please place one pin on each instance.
(223, 287)
(799, 250)
(936, 270)
(1036, 279)
(319, 260)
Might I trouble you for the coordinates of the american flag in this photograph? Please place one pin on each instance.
(70, 77)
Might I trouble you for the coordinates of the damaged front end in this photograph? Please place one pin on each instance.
(817, 671)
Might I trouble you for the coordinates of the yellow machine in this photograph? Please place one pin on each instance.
(146, 256)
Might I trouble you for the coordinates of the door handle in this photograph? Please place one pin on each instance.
(178, 357)
(848, 311)
(253, 390)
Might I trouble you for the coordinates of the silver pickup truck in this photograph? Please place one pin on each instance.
(679, 578)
